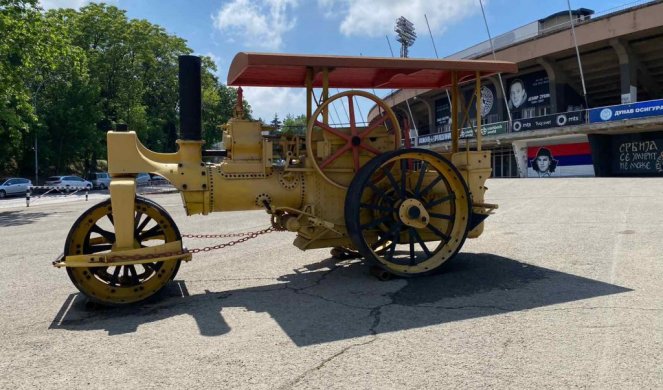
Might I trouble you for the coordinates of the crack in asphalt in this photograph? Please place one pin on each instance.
(465, 307)
(323, 277)
(599, 308)
(375, 313)
(228, 279)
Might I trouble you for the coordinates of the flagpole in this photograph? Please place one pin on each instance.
(575, 43)
(492, 48)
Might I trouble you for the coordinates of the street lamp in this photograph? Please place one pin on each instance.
(36, 130)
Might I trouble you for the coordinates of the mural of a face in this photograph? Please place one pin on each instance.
(518, 94)
(543, 162)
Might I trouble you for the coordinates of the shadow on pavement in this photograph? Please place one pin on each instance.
(17, 218)
(315, 305)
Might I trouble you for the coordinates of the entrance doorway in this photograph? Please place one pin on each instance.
(504, 162)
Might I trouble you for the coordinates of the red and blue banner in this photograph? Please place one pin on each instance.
(560, 160)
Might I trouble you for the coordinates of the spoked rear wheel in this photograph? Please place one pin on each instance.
(94, 232)
(408, 211)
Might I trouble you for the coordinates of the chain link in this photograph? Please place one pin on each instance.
(245, 237)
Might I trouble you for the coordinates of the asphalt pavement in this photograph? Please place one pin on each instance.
(563, 290)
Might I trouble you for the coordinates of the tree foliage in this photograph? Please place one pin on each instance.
(67, 76)
(294, 125)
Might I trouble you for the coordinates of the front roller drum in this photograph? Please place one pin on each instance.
(408, 211)
(94, 233)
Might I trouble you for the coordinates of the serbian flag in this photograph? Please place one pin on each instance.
(560, 160)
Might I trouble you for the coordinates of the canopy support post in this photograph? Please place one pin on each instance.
(309, 94)
(477, 93)
(325, 94)
(454, 112)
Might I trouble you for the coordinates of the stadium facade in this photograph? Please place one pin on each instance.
(543, 123)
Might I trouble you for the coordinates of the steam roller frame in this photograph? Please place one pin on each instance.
(125, 281)
(408, 211)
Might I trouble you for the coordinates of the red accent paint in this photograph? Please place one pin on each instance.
(561, 150)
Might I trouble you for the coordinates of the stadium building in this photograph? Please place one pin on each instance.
(543, 123)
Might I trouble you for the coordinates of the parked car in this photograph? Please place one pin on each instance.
(157, 179)
(68, 182)
(143, 179)
(100, 180)
(14, 186)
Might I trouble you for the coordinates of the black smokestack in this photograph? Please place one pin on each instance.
(190, 98)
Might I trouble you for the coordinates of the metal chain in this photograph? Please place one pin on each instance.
(217, 235)
(245, 237)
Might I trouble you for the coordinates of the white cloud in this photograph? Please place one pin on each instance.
(259, 23)
(265, 102)
(218, 61)
(375, 18)
(75, 4)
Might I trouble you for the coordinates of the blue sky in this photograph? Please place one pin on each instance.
(221, 28)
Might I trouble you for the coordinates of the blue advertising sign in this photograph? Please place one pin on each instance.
(626, 111)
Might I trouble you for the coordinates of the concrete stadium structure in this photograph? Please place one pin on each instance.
(615, 129)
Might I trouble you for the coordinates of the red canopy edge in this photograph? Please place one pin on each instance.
(289, 70)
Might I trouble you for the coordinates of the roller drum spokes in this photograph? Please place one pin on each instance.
(352, 146)
(408, 211)
(94, 233)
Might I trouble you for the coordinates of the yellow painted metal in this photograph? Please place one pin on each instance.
(309, 93)
(419, 219)
(184, 169)
(120, 283)
(475, 167)
(123, 192)
(119, 258)
(477, 94)
(325, 95)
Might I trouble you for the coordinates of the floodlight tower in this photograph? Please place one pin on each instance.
(406, 35)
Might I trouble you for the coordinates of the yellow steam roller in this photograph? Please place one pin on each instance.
(407, 210)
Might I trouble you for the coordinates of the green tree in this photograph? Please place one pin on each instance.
(294, 125)
(24, 49)
(67, 76)
(218, 102)
(276, 122)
